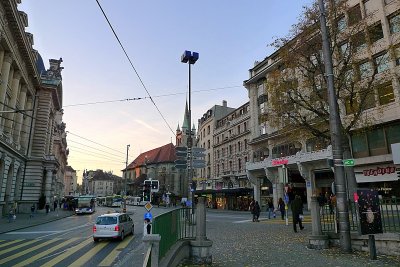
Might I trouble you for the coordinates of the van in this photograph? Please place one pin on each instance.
(136, 201)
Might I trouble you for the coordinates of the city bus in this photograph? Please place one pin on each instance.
(85, 204)
(101, 201)
(114, 201)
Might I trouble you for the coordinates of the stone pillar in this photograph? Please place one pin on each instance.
(5, 72)
(49, 178)
(26, 126)
(9, 123)
(201, 246)
(153, 241)
(19, 117)
(317, 239)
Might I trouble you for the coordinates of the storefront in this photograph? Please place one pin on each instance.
(382, 177)
(228, 199)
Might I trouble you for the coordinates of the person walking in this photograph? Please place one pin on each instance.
(297, 209)
(257, 210)
(32, 211)
(47, 208)
(271, 207)
(251, 209)
(11, 215)
(281, 207)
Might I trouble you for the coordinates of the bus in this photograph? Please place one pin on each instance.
(101, 201)
(135, 201)
(85, 204)
(113, 201)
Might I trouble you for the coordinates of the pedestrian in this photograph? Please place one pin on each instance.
(257, 210)
(333, 203)
(147, 227)
(47, 208)
(281, 207)
(270, 207)
(32, 211)
(11, 215)
(297, 209)
(251, 209)
(321, 201)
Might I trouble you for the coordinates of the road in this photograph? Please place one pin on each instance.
(69, 242)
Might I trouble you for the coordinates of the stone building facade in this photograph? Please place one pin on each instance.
(303, 165)
(33, 148)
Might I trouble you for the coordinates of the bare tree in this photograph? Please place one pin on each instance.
(297, 87)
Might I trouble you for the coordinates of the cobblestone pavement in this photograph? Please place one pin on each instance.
(273, 243)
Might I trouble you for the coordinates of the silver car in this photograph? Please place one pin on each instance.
(113, 225)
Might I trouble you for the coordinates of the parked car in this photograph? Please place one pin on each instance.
(113, 225)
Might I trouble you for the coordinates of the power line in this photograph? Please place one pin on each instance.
(145, 97)
(92, 153)
(95, 142)
(133, 67)
(109, 154)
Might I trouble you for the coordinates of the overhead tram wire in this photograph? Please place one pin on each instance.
(80, 150)
(137, 74)
(145, 97)
(95, 142)
(101, 152)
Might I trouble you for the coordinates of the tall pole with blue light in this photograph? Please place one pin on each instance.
(190, 58)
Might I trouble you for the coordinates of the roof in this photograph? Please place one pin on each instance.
(163, 154)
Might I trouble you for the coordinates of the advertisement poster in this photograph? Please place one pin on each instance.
(370, 212)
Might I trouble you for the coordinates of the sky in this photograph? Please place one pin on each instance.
(229, 35)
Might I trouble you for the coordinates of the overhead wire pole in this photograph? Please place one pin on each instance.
(126, 176)
(336, 139)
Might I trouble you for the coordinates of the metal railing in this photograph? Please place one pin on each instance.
(390, 216)
(173, 226)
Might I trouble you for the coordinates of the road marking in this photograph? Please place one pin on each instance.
(19, 254)
(9, 243)
(67, 253)
(244, 221)
(88, 255)
(45, 253)
(35, 232)
(17, 246)
(108, 260)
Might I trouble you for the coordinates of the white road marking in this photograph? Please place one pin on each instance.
(36, 232)
(244, 221)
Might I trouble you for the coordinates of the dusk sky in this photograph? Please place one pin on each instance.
(229, 35)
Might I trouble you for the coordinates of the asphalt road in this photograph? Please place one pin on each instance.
(69, 242)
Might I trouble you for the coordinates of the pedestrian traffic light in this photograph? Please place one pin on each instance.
(146, 193)
(154, 186)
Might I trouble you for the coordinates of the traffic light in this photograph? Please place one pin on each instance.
(154, 186)
(146, 193)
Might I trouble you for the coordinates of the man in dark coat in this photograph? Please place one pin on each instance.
(297, 209)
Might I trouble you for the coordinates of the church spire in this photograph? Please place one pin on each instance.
(186, 118)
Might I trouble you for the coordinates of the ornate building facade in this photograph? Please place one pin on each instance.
(33, 147)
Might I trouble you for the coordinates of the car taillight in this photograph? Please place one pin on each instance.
(116, 228)
(94, 228)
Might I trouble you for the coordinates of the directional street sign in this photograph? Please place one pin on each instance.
(198, 163)
(181, 151)
(198, 152)
(348, 162)
(181, 166)
(180, 161)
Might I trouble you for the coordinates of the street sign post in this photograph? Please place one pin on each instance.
(348, 162)
(198, 152)
(198, 163)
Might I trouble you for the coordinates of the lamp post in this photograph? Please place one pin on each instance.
(190, 58)
(336, 139)
(126, 176)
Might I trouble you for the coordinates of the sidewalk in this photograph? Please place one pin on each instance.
(40, 217)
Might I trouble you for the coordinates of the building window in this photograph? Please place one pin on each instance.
(230, 149)
(375, 32)
(367, 99)
(208, 129)
(385, 94)
(358, 41)
(376, 142)
(344, 49)
(393, 134)
(359, 145)
(394, 23)
(239, 165)
(239, 146)
(238, 129)
(365, 69)
(381, 62)
(351, 105)
(354, 14)
(245, 124)
(341, 24)
(245, 144)
(397, 55)
(208, 144)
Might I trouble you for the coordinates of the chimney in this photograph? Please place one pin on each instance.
(224, 103)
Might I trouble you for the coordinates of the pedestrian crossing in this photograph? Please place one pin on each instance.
(61, 252)
(278, 220)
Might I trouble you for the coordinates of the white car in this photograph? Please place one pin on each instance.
(113, 225)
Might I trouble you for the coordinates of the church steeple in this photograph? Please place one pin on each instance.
(185, 124)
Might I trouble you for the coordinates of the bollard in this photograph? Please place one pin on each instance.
(372, 247)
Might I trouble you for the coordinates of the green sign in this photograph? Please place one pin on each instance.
(348, 162)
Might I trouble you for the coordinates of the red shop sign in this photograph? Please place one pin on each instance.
(279, 162)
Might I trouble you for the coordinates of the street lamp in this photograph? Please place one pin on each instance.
(336, 139)
(126, 176)
(190, 58)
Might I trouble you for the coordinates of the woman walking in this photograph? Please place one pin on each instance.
(281, 207)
